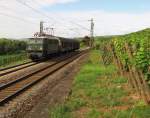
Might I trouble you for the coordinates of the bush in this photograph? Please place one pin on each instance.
(11, 46)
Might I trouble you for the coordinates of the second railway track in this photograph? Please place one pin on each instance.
(13, 88)
(16, 68)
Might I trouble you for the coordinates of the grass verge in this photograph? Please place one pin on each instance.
(99, 93)
(13, 59)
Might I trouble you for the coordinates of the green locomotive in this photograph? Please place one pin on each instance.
(46, 46)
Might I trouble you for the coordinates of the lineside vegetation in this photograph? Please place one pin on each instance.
(131, 54)
(12, 52)
(99, 92)
(11, 46)
(139, 42)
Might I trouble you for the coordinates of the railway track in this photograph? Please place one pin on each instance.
(11, 69)
(9, 77)
(18, 67)
(15, 87)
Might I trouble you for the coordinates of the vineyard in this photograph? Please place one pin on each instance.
(131, 54)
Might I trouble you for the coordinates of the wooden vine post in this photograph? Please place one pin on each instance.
(141, 83)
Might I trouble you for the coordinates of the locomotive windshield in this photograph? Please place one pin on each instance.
(35, 44)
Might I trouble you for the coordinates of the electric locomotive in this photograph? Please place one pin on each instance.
(46, 46)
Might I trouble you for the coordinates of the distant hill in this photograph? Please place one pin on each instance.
(139, 34)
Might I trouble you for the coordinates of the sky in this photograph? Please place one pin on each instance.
(70, 18)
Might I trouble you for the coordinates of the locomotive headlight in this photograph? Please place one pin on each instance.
(41, 48)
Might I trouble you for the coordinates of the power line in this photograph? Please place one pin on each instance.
(75, 30)
(77, 24)
(80, 26)
(14, 17)
(17, 18)
(41, 13)
(35, 10)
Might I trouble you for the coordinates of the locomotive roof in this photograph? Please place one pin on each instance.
(43, 37)
(55, 37)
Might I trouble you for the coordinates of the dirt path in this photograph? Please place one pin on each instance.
(57, 94)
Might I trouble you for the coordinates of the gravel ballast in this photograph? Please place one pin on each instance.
(34, 103)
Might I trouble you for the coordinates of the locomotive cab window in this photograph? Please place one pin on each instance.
(35, 44)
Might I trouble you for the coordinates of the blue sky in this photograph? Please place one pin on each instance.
(134, 6)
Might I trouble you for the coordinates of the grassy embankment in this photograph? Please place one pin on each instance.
(12, 52)
(13, 59)
(98, 92)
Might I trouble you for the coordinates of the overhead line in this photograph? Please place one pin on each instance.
(17, 18)
(35, 10)
(80, 25)
(41, 13)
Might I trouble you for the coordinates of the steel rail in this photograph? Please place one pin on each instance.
(10, 67)
(16, 68)
(30, 82)
(3, 86)
(2, 69)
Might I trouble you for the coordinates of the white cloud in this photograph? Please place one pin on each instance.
(106, 23)
(56, 1)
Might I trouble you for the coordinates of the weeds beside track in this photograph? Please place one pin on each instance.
(99, 92)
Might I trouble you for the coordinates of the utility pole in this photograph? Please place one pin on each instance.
(92, 33)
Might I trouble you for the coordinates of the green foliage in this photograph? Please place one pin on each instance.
(133, 112)
(93, 114)
(12, 52)
(139, 42)
(13, 59)
(11, 46)
(119, 80)
(101, 41)
(60, 111)
(98, 93)
(141, 112)
(75, 104)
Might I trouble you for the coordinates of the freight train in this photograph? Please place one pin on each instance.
(46, 46)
